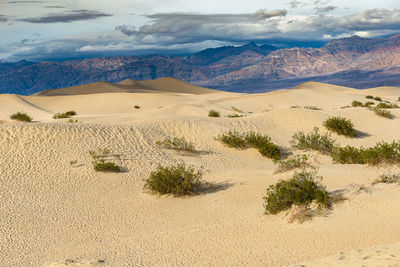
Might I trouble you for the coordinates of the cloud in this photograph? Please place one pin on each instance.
(74, 15)
(3, 18)
(321, 10)
(55, 7)
(25, 2)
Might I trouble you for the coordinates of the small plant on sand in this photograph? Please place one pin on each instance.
(385, 105)
(214, 113)
(348, 106)
(262, 143)
(73, 162)
(235, 116)
(383, 113)
(236, 109)
(67, 114)
(369, 104)
(137, 107)
(312, 107)
(21, 116)
(295, 107)
(105, 166)
(72, 121)
(313, 141)
(301, 190)
(177, 180)
(356, 104)
(398, 99)
(347, 155)
(177, 143)
(377, 98)
(387, 179)
(369, 97)
(293, 162)
(341, 126)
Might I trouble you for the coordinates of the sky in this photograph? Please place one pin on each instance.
(38, 30)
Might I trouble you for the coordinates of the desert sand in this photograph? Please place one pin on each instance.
(55, 214)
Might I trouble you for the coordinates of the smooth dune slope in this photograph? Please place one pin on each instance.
(58, 214)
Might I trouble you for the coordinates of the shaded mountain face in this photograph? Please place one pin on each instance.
(354, 61)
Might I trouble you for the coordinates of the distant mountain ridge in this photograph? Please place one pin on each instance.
(356, 62)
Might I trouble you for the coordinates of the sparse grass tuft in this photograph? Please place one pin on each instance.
(385, 105)
(214, 113)
(312, 107)
(21, 116)
(236, 109)
(105, 166)
(293, 162)
(341, 126)
(72, 121)
(302, 189)
(177, 143)
(348, 106)
(67, 114)
(313, 141)
(387, 179)
(177, 180)
(356, 104)
(235, 116)
(383, 113)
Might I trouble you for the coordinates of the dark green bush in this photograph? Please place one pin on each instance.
(302, 189)
(341, 126)
(357, 104)
(177, 180)
(385, 105)
(368, 104)
(214, 113)
(70, 113)
(293, 162)
(251, 139)
(21, 116)
(105, 166)
(383, 113)
(67, 114)
(377, 98)
(369, 97)
(348, 155)
(313, 141)
(177, 143)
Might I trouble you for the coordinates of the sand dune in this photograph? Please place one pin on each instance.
(55, 214)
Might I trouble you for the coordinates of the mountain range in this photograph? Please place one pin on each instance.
(355, 62)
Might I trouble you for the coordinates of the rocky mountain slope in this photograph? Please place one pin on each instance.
(354, 61)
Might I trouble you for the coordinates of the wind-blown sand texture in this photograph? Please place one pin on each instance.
(55, 214)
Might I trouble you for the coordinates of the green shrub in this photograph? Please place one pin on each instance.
(398, 99)
(369, 97)
(302, 189)
(383, 113)
(385, 105)
(235, 116)
(377, 98)
(214, 113)
(72, 121)
(177, 143)
(312, 107)
(177, 180)
(356, 104)
(70, 113)
(368, 104)
(348, 155)
(313, 141)
(67, 114)
(262, 143)
(105, 166)
(21, 116)
(137, 107)
(341, 126)
(295, 107)
(293, 162)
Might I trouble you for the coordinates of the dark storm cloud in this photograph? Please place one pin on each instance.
(75, 15)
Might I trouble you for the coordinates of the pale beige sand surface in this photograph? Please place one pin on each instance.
(55, 214)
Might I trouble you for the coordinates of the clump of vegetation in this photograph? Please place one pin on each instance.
(295, 107)
(383, 113)
(312, 107)
(369, 104)
(72, 121)
(293, 162)
(387, 179)
(236, 109)
(67, 114)
(214, 113)
(137, 107)
(302, 189)
(385, 105)
(341, 126)
(177, 143)
(235, 116)
(356, 104)
(377, 98)
(398, 99)
(381, 153)
(348, 106)
(177, 180)
(251, 139)
(21, 116)
(369, 97)
(102, 162)
(73, 162)
(313, 141)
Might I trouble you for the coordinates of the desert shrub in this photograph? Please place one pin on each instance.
(313, 141)
(67, 114)
(302, 189)
(105, 166)
(377, 98)
(21, 116)
(369, 97)
(348, 106)
(356, 104)
(383, 113)
(387, 179)
(177, 180)
(214, 113)
(137, 107)
(341, 126)
(262, 143)
(348, 155)
(177, 143)
(72, 121)
(295, 107)
(235, 116)
(385, 105)
(312, 107)
(368, 104)
(236, 109)
(293, 162)
(398, 99)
